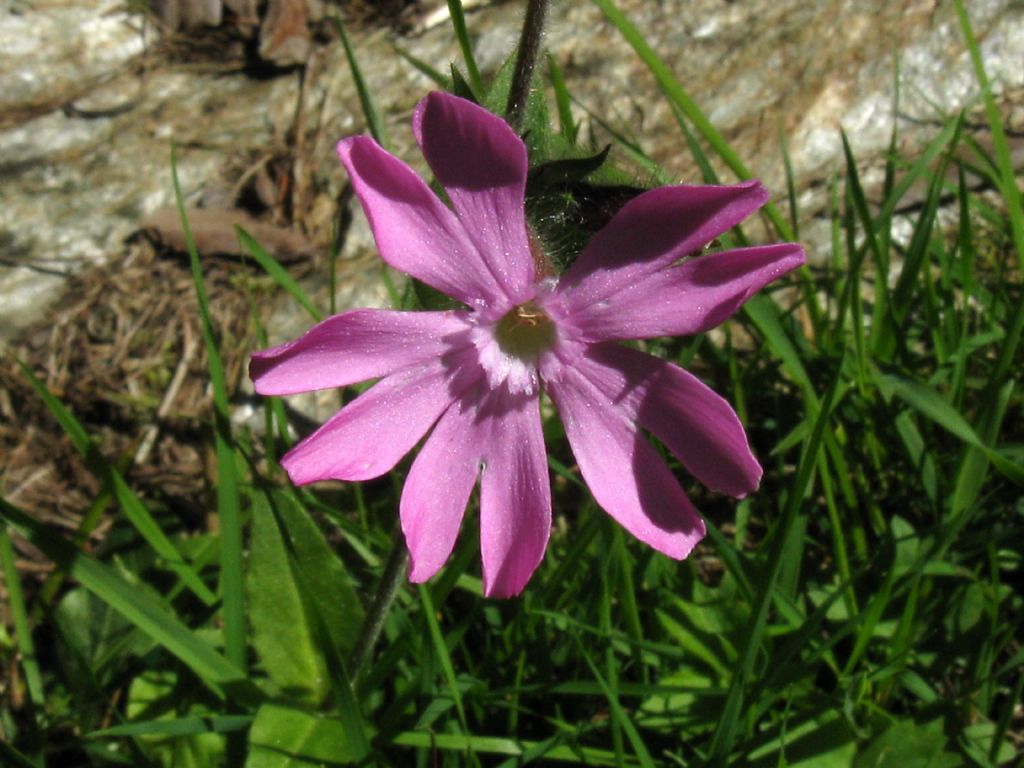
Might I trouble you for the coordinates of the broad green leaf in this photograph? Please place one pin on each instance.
(691, 698)
(151, 615)
(281, 632)
(325, 581)
(979, 738)
(970, 607)
(906, 744)
(824, 741)
(154, 694)
(283, 737)
(97, 638)
(497, 745)
(179, 726)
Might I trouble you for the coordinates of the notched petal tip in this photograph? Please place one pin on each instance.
(754, 482)
(299, 473)
(261, 368)
(797, 258)
(756, 186)
(420, 574)
(680, 548)
(352, 148)
(345, 146)
(504, 591)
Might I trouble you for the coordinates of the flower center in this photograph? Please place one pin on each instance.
(525, 332)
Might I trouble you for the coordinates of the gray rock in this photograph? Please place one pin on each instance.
(87, 114)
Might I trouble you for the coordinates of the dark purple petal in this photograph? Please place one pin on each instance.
(652, 231)
(627, 477)
(482, 165)
(415, 232)
(688, 298)
(694, 422)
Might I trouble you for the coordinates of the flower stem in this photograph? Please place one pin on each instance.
(387, 589)
(529, 46)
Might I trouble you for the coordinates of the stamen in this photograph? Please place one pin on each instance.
(525, 332)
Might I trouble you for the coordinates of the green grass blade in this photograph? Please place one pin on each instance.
(13, 758)
(437, 77)
(871, 237)
(443, 657)
(731, 560)
(917, 252)
(946, 137)
(16, 602)
(154, 618)
(618, 713)
(228, 502)
(929, 403)
(707, 171)
(787, 164)
(466, 46)
(764, 314)
(373, 120)
(563, 101)
(273, 268)
(871, 615)
(991, 419)
(179, 726)
(1008, 184)
(675, 92)
(728, 724)
(136, 512)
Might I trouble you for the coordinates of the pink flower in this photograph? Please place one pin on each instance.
(473, 378)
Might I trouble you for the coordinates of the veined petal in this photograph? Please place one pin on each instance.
(482, 165)
(371, 434)
(652, 231)
(515, 495)
(627, 477)
(355, 346)
(438, 487)
(415, 232)
(688, 298)
(695, 423)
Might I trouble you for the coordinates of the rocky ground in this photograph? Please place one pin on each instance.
(96, 298)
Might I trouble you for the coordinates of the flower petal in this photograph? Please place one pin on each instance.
(695, 423)
(515, 496)
(482, 165)
(415, 232)
(652, 231)
(355, 346)
(371, 434)
(627, 477)
(689, 298)
(437, 489)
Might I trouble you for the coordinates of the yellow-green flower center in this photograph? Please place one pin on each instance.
(525, 332)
